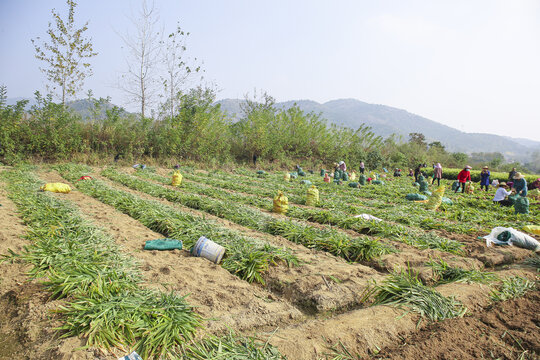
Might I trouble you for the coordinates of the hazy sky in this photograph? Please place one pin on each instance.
(470, 64)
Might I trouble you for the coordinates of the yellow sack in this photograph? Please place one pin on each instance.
(352, 177)
(281, 203)
(176, 178)
(287, 177)
(56, 187)
(533, 229)
(435, 200)
(312, 196)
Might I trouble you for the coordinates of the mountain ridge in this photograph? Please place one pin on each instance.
(386, 120)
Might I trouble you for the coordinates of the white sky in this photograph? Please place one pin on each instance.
(470, 64)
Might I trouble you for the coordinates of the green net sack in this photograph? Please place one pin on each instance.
(301, 173)
(521, 206)
(323, 172)
(305, 182)
(455, 185)
(345, 176)
(415, 184)
(423, 186)
(353, 184)
(447, 201)
(415, 197)
(427, 192)
(261, 172)
(163, 244)
(362, 179)
(377, 182)
(337, 175)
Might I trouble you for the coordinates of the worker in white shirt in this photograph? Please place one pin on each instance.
(501, 194)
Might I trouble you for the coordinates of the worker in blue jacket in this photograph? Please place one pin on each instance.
(484, 178)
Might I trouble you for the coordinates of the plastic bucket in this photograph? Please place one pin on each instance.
(208, 249)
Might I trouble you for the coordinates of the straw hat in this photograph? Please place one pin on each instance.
(485, 167)
(468, 167)
(518, 176)
(502, 184)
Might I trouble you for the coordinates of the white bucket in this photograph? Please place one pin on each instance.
(208, 249)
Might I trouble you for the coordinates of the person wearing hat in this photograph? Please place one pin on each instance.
(464, 176)
(501, 194)
(342, 166)
(520, 185)
(484, 178)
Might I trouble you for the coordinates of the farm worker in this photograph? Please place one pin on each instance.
(501, 194)
(520, 185)
(437, 174)
(342, 166)
(362, 167)
(411, 173)
(512, 174)
(484, 178)
(397, 172)
(464, 176)
(255, 160)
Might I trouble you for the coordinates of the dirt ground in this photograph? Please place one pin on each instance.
(507, 330)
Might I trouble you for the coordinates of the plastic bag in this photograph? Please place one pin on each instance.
(312, 196)
(455, 185)
(514, 237)
(368, 217)
(56, 187)
(281, 203)
(436, 200)
(415, 184)
(163, 244)
(533, 229)
(293, 175)
(326, 178)
(521, 206)
(287, 177)
(415, 197)
(352, 177)
(469, 188)
(176, 178)
(427, 192)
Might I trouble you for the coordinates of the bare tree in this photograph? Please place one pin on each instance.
(177, 69)
(66, 54)
(139, 81)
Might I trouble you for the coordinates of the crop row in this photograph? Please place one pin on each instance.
(246, 257)
(330, 240)
(338, 218)
(470, 214)
(104, 300)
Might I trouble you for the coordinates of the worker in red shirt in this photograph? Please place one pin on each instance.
(464, 176)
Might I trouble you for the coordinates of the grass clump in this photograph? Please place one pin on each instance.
(403, 288)
(229, 347)
(534, 262)
(511, 288)
(444, 273)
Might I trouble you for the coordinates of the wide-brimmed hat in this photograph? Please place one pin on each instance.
(518, 176)
(502, 184)
(468, 167)
(341, 163)
(485, 167)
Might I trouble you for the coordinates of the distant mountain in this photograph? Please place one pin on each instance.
(386, 120)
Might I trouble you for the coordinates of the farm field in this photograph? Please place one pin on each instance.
(315, 283)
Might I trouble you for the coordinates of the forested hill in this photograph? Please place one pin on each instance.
(386, 120)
